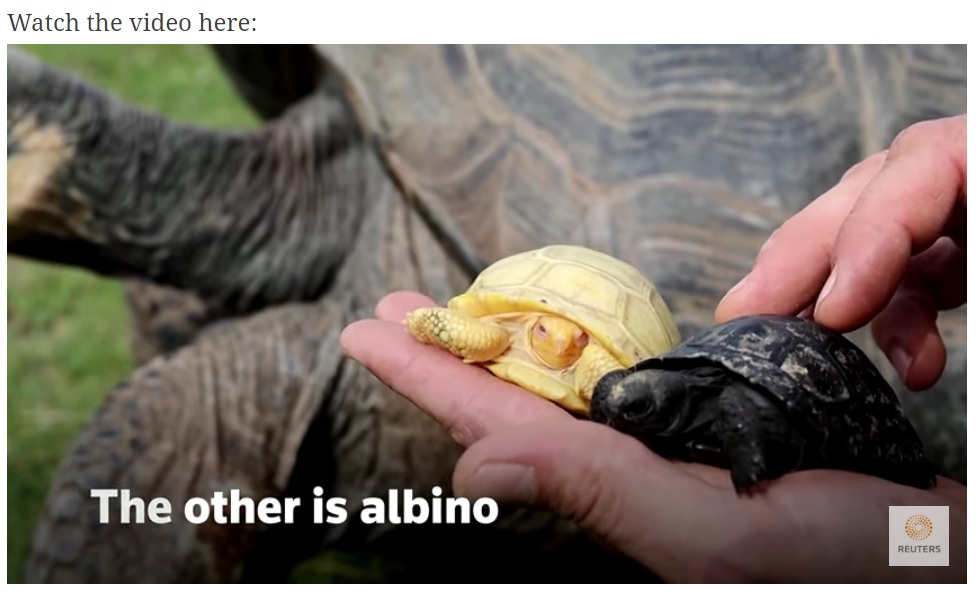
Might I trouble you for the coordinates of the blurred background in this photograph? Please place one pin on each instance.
(68, 330)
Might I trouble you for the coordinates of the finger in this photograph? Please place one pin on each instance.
(713, 476)
(906, 330)
(395, 306)
(609, 484)
(794, 263)
(941, 271)
(467, 400)
(900, 213)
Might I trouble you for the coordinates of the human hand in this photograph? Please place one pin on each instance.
(683, 521)
(886, 245)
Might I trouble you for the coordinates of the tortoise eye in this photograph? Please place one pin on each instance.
(540, 331)
(581, 340)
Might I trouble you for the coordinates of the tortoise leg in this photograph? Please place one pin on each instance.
(530, 380)
(474, 340)
(190, 425)
(594, 363)
(757, 438)
(270, 77)
(244, 219)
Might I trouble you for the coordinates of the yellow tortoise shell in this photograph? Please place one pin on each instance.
(608, 298)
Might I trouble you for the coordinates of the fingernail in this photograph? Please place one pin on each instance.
(901, 360)
(503, 482)
(765, 246)
(735, 289)
(826, 288)
(342, 341)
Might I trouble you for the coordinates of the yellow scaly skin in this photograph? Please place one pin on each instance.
(471, 339)
(595, 363)
(481, 341)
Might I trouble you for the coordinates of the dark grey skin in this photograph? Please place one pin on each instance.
(764, 396)
(706, 415)
(383, 168)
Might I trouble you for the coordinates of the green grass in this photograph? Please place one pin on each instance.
(67, 330)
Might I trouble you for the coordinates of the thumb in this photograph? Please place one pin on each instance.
(607, 482)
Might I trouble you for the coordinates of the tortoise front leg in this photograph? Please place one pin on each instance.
(231, 411)
(243, 219)
(756, 437)
(473, 340)
(595, 362)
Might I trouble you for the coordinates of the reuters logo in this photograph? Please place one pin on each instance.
(918, 527)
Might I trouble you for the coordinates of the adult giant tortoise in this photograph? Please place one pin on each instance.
(387, 167)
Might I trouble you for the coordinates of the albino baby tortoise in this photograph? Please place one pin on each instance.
(553, 321)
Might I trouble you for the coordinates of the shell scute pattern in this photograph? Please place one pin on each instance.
(785, 355)
(606, 297)
(822, 397)
(824, 383)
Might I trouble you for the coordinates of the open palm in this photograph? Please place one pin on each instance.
(681, 520)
